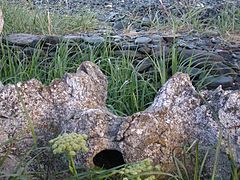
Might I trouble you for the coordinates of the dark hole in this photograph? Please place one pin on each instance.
(108, 159)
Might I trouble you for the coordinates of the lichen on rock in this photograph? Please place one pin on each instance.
(178, 116)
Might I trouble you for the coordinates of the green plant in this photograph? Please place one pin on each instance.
(228, 20)
(189, 18)
(69, 144)
(24, 18)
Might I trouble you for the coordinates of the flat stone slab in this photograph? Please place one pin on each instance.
(143, 40)
(94, 40)
(22, 39)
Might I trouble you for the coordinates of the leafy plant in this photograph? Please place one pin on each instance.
(69, 144)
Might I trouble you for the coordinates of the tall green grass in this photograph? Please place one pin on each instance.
(24, 18)
(129, 90)
(190, 18)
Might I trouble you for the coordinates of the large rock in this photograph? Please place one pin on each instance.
(77, 103)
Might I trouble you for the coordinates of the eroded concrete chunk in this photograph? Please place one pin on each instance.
(178, 116)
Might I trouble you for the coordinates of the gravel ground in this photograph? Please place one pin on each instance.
(106, 9)
(121, 14)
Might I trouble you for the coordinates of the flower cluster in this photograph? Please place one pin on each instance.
(137, 170)
(70, 143)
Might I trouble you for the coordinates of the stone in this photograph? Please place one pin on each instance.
(94, 40)
(51, 40)
(144, 65)
(226, 54)
(146, 22)
(184, 44)
(144, 49)
(170, 38)
(143, 40)
(75, 38)
(22, 39)
(224, 81)
(156, 38)
(215, 40)
(199, 57)
(133, 47)
(119, 25)
(1, 21)
(222, 69)
(193, 71)
(131, 54)
(236, 55)
(77, 103)
(29, 51)
(210, 33)
(112, 16)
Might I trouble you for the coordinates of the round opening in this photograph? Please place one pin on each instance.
(108, 159)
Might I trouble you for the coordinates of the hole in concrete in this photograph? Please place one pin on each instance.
(108, 159)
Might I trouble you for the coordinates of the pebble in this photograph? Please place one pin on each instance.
(224, 81)
(22, 39)
(94, 40)
(143, 40)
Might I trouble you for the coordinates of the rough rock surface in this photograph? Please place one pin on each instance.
(76, 103)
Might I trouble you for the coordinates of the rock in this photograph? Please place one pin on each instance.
(199, 57)
(223, 69)
(1, 21)
(170, 38)
(221, 59)
(133, 47)
(29, 51)
(192, 71)
(224, 53)
(94, 40)
(112, 16)
(236, 55)
(143, 40)
(119, 25)
(75, 38)
(224, 81)
(144, 65)
(51, 40)
(215, 40)
(144, 49)
(182, 43)
(156, 39)
(9, 165)
(131, 54)
(22, 39)
(77, 103)
(146, 22)
(210, 33)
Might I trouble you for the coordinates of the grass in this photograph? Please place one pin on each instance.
(189, 18)
(23, 18)
(129, 90)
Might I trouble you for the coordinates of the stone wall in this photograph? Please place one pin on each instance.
(207, 50)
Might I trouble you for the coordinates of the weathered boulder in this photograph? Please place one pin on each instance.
(178, 116)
